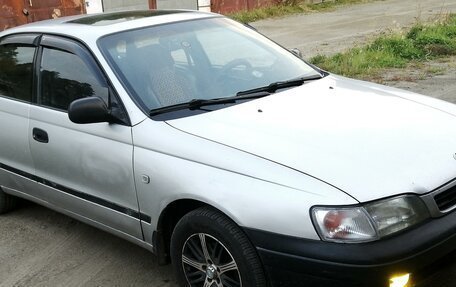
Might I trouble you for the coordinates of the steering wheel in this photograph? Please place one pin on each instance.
(228, 69)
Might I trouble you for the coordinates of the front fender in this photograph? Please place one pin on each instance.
(252, 191)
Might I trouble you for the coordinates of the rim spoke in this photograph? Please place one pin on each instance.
(217, 252)
(228, 267)
(204, 246)
(197, 281)
(195, 250)
(198, 278)
(207, 283)
(193, 263)
(229, 282)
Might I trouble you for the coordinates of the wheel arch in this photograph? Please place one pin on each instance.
(167, 220)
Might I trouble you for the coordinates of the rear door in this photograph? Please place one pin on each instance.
(85, 169)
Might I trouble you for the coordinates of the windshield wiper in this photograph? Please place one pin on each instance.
(256, 93)
(273, 87)
(198, 103)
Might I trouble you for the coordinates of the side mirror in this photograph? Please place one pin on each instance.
(88, 111)
(250, 27)
(297, 52)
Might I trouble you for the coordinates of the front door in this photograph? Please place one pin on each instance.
(16, 78)
(84, 168)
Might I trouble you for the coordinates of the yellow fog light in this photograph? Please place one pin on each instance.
(400, 280)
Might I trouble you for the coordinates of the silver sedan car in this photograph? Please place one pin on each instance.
(225, 154)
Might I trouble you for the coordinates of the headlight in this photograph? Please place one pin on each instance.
(395, 214)
(368, 222)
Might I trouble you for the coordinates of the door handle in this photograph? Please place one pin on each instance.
(40, 136)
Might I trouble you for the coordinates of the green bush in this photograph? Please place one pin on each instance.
(401, 47)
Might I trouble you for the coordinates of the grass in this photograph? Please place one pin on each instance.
(287, 7)
(395, 50)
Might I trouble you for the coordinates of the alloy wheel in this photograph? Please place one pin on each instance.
(208, 263)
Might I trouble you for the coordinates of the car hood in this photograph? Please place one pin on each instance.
(368, 140)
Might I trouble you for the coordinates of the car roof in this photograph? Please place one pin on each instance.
(89, 27)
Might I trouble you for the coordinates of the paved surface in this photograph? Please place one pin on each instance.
(39, 247)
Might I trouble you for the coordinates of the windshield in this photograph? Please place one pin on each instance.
(200, 59)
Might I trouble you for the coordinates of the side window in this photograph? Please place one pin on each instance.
(64, 78)
(16, 71)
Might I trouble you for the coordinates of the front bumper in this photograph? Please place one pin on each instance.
(291, 261)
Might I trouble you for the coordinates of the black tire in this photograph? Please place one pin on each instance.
(230, 260)
(7, 202)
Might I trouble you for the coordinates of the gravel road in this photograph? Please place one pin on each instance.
(39, 247)
(332, 32)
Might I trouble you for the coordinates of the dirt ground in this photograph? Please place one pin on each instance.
(434, 78)
(39, 247)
